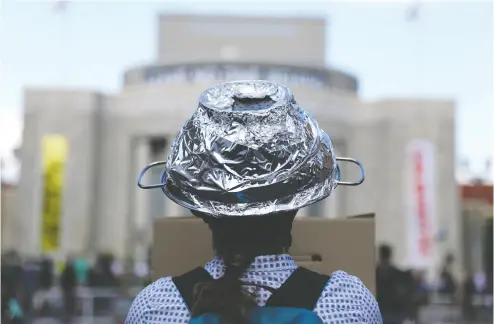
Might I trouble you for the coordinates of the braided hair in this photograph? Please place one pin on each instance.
(238, 241)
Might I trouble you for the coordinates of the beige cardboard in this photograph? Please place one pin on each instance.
(181, 244)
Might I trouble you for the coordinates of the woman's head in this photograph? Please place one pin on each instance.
(248, 150)
(259, 235)
(237, 241)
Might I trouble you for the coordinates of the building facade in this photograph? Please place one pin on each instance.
(477, 202)
(111, 136)
(9, 216)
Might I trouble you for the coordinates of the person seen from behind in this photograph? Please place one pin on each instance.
(246, 161)
(68, 282)
(392, 288)
(447, 285)
(82, 268)
(102, 276)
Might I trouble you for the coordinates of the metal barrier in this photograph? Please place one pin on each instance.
(119, 302)
(444, 310)
(440, 309)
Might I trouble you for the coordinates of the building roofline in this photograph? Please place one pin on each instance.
(327, 76)
(8, 185)
(285, 17)
(479, 192)
(243, 63)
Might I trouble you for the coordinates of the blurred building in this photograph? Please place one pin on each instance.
(477, 204)
(111, 136)
(8, 213)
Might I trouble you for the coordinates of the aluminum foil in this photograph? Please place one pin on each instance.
(249, 149)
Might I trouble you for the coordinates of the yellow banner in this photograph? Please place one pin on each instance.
(54, 150)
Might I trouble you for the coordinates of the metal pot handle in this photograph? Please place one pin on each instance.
(143, 172)
(338, 182)
(348, 183)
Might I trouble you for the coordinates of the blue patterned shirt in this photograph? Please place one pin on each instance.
(345, 299)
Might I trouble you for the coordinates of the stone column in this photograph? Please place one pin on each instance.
(332, 205)
(117, 187)
(142, 223)
(171, 208)
(156, 202)
(303, 212)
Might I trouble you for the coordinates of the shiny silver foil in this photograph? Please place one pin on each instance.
(249, 149)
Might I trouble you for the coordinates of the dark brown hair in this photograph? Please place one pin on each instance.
(238, 241)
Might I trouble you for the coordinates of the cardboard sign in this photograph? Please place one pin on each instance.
(322, 245)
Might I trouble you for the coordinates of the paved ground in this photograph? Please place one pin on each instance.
(432, 314)
(431, 317)
(80, 320)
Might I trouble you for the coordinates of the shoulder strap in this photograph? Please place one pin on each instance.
(301, 290)
(185, 283)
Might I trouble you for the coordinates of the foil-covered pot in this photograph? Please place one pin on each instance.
(249, 149)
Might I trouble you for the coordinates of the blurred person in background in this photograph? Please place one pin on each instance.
(8, 286)
(469, 291)
(489, 286)
(11, 279)
(119, 268)
(12, 311)
(447, 283)
(141, 271)
(45, 282)
(102, 276)
(30, 284)
(81, 267)
(68, 282)
(46, 275)
(11, 271)
(480, 281)
(420, 294)
(392, 288)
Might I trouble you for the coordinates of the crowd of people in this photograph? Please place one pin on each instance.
(22, 279)
(402, 293)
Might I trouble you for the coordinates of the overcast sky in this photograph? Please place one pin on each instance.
(446, 53)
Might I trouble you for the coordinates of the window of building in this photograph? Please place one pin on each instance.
(157, 201)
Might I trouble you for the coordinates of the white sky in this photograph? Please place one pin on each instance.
(447, 53)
